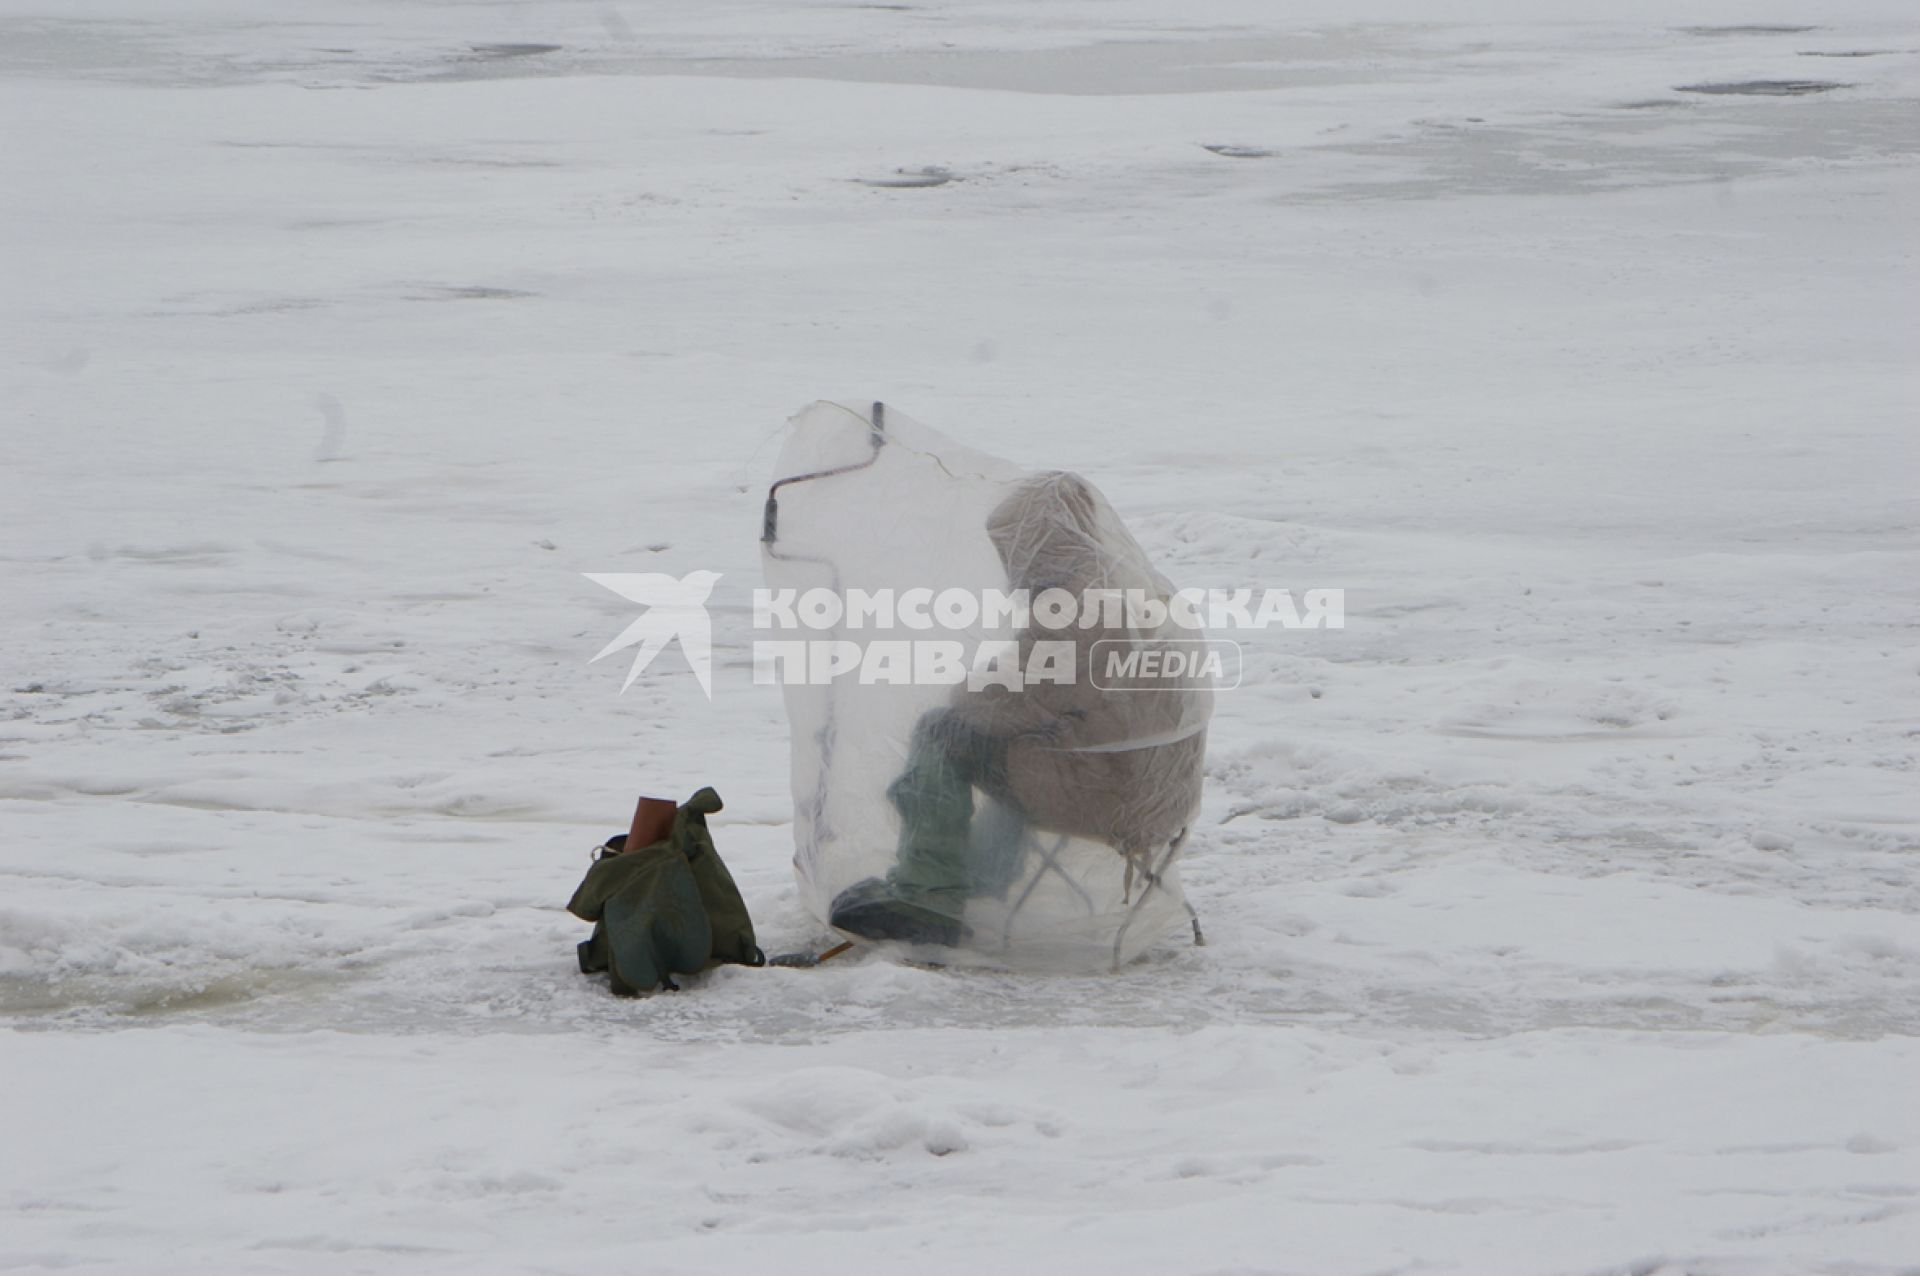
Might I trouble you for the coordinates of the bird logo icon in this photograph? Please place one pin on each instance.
(676, 607)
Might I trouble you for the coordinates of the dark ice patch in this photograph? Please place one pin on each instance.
(513, 50)
(269, 306)
(468, 292)
(1846, 53)
(1764, 88)
(1748, 29)
(485, 161)
(1237, 152)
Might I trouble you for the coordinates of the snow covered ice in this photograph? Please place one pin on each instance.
(1561, 907)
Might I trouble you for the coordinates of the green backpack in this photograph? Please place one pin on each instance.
(665, 909)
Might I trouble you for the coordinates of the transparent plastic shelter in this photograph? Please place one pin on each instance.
(977, 783)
